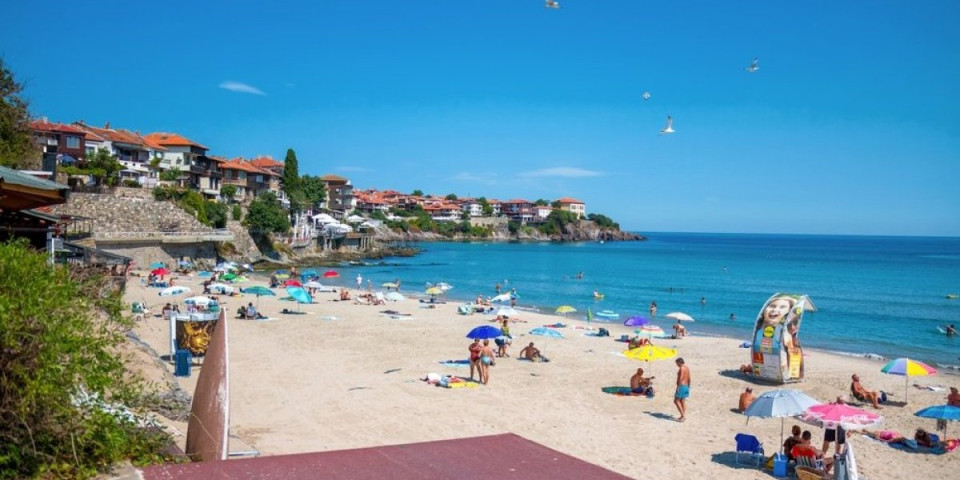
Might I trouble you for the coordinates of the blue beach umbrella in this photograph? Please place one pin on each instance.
(546, 332)
(941, 412)
(636, 321)
(258, 290)
(300, 295)
(204, 274)
(484, 332)
(156, 265)
(309, 273)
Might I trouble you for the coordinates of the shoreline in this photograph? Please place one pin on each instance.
(345, 375)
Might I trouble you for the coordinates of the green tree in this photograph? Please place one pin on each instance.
(228, 192)
(59, 339)
(17, 149)
(265, 214)
(314, 190)
(237, 212)
(603, 221)
(556, 221)
(452, 197)
(541, 202)
(171, 175)
(103, 166)
(417, 193)
(291, 181)
(485, 206)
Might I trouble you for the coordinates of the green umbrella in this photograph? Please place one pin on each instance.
(228, 277)
(258, 290)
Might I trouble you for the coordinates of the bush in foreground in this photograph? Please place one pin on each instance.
(60, 372)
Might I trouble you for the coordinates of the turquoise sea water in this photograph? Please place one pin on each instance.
(880, 295)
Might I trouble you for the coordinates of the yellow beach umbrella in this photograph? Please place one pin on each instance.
(434, 291)
(565, 309)
(649, 353)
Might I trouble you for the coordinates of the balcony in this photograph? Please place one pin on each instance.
(234, 181)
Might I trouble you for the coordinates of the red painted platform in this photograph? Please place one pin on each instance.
(505, 456)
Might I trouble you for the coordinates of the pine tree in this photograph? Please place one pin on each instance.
(16, 145)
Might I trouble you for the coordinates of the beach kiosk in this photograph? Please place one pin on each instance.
(775, 353)
(192, 332)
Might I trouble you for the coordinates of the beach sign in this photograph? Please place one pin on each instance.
(775, 352)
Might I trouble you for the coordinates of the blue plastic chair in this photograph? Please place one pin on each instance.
(749, 444)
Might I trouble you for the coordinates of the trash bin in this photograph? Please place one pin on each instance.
(779, 465)
(184, 361)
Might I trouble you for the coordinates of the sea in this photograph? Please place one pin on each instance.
(875, 295)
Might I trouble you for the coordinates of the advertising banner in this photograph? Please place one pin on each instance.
(776, 354)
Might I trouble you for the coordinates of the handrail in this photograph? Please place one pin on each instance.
(224, 233)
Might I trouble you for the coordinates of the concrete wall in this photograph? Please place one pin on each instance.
(488, 221)
(144, 255)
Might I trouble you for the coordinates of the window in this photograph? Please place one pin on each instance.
(73, 142)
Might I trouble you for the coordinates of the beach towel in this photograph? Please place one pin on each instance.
(556, 325)
(624, 392)
(455, 363)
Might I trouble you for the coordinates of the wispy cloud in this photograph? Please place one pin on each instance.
(241, 88)
(484, 178)
(568, 172)
(355, 169)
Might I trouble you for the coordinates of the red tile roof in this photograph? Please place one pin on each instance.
(119, 136)
(172, 139)
(333, 178)
(45, 126)
(516, 200)
(265, 162)
(568, 200)
(217, 159)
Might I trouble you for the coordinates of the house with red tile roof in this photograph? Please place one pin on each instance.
(126, 145)
(249, 180)
(340, 199)
(443, 212)
(568, 204)
(59, 142)
(518, 209)
(203, 173)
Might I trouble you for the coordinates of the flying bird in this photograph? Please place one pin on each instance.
(669, 127)
(551, 4)
(753, 65)
(645, 95)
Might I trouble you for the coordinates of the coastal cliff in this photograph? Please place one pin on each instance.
(582, 231)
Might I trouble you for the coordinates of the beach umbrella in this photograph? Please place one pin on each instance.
(229, 276)
(941, 412)
(650, 331)
(394, 296)
(240, 279)
(157, 265)
(484, 332)
(650, 353)
(507, 312)
(679, 316)
(292, 283)
(198, 300)
(300, 295)
(281, 276)
(204, 274)
(313, 284)
(330, 274)
(546, 332)
(434, 291)
(308, 273)
(832, 415)
(258, 290)
(636, 321)
(908, 368)
(185, 263)
(565, 309)
(160, 271)
(169, 291)
(503, 297)
(221, 288)
(389, 285)
(780, 403)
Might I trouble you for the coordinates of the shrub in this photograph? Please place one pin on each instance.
(58, 340)
(131, 183)
(237, 212)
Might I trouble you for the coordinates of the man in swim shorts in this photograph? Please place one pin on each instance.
(683, 389)
(639, 384)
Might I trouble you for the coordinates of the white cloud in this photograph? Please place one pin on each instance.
(568, 172)
(241, 88)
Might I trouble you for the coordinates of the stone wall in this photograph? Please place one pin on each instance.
(129, 210)
(204, 253)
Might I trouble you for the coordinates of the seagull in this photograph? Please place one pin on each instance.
(551, 4)
(753, 65)
(669, 127)
(645, 95)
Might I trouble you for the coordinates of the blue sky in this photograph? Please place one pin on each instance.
(851, 125)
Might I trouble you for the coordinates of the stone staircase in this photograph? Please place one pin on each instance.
(130, 211)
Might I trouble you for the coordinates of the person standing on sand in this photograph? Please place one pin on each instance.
(486, 361)
(474, 349)
(683, 389)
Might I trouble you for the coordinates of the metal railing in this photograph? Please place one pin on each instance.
(218, 234)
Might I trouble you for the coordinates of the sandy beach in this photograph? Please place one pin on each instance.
(344, 375)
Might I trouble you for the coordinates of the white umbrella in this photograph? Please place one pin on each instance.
(166, 292)
(394, 296)
(221, 288)
(198, 300)
(507, 312)
(355, 219)
(312, 284)
(503, 297)
(679, 316)
(780, 403)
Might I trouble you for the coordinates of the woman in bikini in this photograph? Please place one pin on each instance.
(475, 349)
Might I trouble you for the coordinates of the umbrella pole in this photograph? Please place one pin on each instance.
(906, 389)
(781, 434)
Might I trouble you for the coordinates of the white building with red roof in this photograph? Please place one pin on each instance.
(573, 205)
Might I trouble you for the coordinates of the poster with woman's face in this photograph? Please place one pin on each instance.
(775, 353)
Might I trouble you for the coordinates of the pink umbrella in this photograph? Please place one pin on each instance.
(160, 272)
(292, 283)
(331, 274)
(830, 415)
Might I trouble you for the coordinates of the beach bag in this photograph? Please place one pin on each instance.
(883, 397)
(603, 332)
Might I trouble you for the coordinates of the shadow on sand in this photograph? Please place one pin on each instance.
(729, 459)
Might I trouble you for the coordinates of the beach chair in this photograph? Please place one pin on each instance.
(749, 444)
(809, 473)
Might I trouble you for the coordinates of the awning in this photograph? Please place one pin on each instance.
(19, 191)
